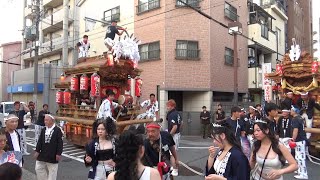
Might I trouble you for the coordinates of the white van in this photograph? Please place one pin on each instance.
(6, 108)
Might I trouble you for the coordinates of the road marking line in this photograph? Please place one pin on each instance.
(65, 155)
(72, 151)
(68, 148)
(80, 157)
(77, 153)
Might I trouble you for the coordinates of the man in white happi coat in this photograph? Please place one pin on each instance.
(152, 108)
(107, 107)
(83, 47)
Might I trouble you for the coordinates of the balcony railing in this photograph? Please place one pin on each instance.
(269, 3)
(148, 6)
(193, 3)
(187, 54)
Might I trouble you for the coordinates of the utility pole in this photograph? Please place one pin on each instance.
(36, 50)
(65, 25)
(235, 69)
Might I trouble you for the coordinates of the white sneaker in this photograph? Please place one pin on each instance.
(300, 177)
(174, 172)
(26, 153)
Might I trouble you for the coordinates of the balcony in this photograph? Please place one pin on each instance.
(54, 46)
(276, 6)
(52, 3)
(29, 55)
(265, 38)
(54, 22)
(254, 78)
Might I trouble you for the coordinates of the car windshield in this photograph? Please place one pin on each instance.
(9, 108)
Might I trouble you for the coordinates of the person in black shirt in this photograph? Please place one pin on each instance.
(235, 122)
(284, 127)
(32, 111)
(220, 114)
(271, 111)
(48, 150)
(287, 102)
(20, 114)
(40, 122)
(306, 106)
(205, 121)
(300, 138)
(159, 143)
(112, 30)
(260, 113)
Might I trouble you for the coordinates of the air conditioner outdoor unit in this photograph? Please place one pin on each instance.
(251, 52)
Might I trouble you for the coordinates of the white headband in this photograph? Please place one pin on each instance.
(12, 117)
(216, 125)
(260, 121)
(50, 116)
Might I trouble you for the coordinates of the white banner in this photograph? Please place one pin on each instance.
(266, 83)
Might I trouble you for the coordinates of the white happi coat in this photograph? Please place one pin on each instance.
(105, 109)
(152, 108)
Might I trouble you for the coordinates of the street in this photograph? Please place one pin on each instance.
(193, 153)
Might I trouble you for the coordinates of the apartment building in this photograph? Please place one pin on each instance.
(300, 23)
(267, 44)
(187, 57)
(9, 54)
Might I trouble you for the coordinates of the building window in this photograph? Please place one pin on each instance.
(279, 35)
(264, 31)
(228, 56)
(147, 5)
(112, 14)
(56, 62)
(187, 50)
(230, 12)
(193, 3)
(150, 51)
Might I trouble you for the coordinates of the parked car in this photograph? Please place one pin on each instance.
(6, 108)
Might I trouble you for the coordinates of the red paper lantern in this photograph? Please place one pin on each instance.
(95, 85)
(66, 97)
(314, 67)
(138, 86)
(75, 128)
(68, 127)
(59, 97)
(79, 130)
(74, 83)
(88, 134)
(84, 82)
(279, 69)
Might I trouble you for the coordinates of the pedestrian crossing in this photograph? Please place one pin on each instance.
(69, 150)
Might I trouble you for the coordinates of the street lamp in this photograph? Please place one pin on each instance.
(235, 28)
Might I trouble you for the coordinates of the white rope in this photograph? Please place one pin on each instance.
(192, 170)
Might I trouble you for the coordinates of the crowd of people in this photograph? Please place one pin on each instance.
(273, 141)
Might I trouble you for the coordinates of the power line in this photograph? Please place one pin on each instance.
(99, 32)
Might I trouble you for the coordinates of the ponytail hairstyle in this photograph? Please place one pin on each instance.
(223, 127)
(127, 154)
(264, 125)
(108, 124)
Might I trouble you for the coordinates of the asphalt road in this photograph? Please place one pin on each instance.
(193, 153)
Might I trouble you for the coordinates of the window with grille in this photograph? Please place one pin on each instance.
(264, 31)
(112, 14)
(150, 51)
(147, 5)
(230, 12)
(193, 3)
(228, 56)
(187, 49)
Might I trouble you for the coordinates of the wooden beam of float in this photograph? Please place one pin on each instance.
(120, 123)
(312, 130)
